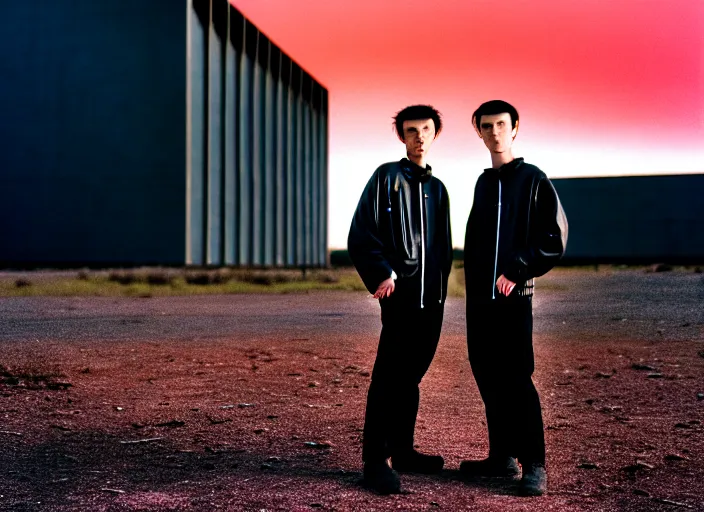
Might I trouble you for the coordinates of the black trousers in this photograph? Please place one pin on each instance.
(409, 338)
(500, 347)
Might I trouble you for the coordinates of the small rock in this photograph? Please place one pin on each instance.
(641, 492)
(271, 417)
(227, 406)
(435, 504)
(638, 366)
(243, 405)
(674, 456)
(364, 374)
(588, 465)
(273, 459)
(700, 396)
(320, 446)
(260, 430)
(655, 375)
(683, 425)
(602, 375)
(218, 421)
(266, 466)
(589, 401)
(639, 465)
(118, 408)
(172, 423)
(611, 408)
(294, 374)
(316, 505)
(313, 384)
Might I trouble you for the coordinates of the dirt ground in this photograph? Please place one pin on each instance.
(256, 402)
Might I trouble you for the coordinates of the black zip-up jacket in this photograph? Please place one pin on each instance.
(402, 224)
(516, 227)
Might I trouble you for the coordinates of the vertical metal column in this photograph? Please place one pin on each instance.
(256, 169)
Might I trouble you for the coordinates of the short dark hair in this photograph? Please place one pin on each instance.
(415, 112)
(493, 107)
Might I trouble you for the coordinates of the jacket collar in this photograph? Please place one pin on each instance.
(508, 167)
(413, 171)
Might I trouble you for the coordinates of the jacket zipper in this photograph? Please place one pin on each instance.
(496, 256)
(422, 247)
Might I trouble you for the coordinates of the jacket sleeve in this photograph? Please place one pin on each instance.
(547, 237)
(365, 244)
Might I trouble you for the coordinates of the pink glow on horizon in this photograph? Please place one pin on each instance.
(602, 87)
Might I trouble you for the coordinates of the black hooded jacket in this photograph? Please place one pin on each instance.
(516, 227)
(402, 224)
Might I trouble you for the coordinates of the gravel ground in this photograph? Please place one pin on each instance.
(256, 402)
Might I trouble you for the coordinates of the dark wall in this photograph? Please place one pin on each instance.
(92, 132)
(635, 218)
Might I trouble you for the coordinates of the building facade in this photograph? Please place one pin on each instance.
(634, 219)
(157, 133)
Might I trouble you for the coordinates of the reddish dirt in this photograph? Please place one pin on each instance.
(206, 403)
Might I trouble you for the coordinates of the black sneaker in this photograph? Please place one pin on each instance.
(381, 478)
(495, 467)
(534, 481)
(416, 462)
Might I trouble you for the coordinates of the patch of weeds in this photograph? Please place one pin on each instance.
(160, 277)
(123, 277)
(267, 277)
(208, 277)
(327, 278)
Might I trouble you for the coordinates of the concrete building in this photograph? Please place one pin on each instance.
(156, 132)
(634, 219)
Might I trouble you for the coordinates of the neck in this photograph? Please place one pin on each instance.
(499, 159)
(418, 160)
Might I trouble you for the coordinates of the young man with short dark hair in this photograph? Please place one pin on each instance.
(516, 231)
(401, 245)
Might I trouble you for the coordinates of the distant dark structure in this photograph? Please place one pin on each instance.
(156, 132)
(634, 219)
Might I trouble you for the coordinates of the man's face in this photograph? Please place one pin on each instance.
(418, 136)
(496, 132)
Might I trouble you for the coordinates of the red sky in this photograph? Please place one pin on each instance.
(602, 86)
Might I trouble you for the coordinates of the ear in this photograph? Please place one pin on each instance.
(474, 125)
(514, 132)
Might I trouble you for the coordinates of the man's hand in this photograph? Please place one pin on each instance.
(504, 285)
(386, 288)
